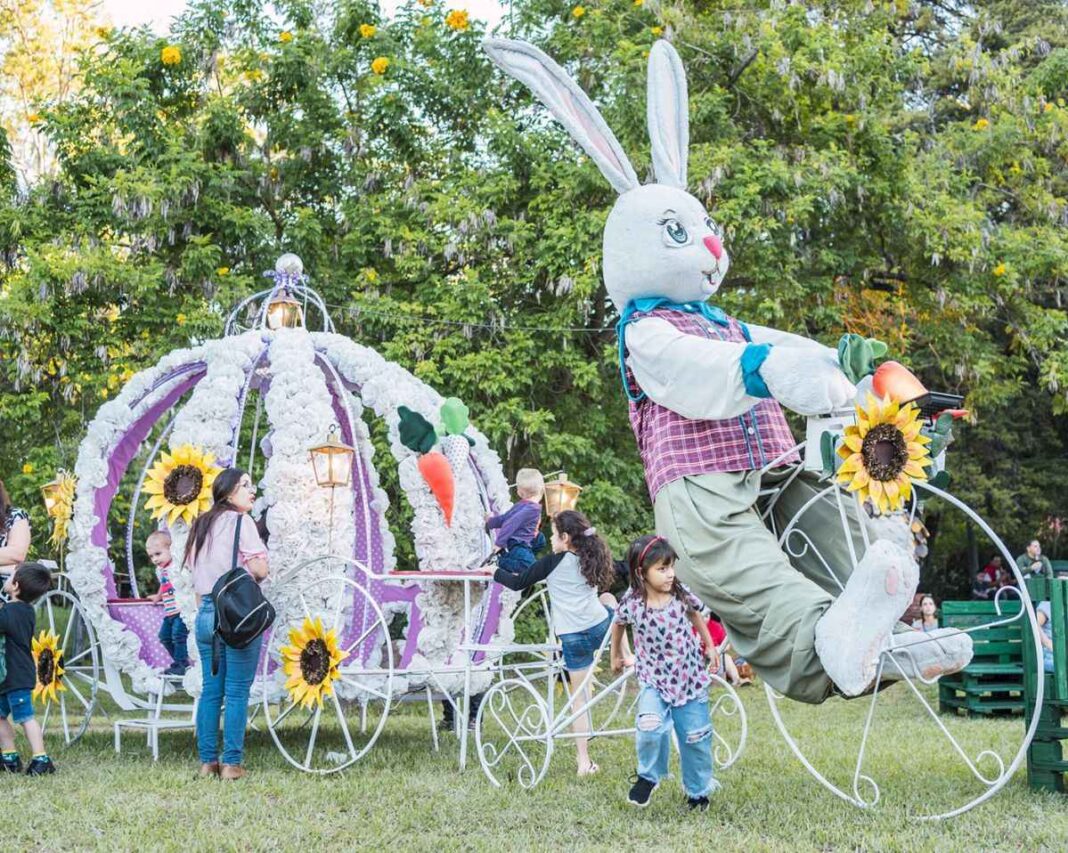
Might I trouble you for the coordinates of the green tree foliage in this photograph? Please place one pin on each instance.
(895, 169)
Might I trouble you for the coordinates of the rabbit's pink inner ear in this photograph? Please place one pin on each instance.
(595, 137)
(668, 114)
(569, 104)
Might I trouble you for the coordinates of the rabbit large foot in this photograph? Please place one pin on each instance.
(858, 627)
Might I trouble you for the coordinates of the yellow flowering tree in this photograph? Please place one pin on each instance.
(840, 155)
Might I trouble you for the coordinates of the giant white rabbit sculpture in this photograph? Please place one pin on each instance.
(705, 394)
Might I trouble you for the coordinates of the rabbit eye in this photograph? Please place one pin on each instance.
(675, 233)
(713, 226)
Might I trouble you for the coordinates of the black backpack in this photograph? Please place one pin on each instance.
(242, 612)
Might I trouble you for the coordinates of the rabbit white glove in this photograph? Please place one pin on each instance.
(806, 380)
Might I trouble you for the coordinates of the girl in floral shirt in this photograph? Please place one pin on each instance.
(672, 670)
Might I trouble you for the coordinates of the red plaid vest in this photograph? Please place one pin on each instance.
(672, 446)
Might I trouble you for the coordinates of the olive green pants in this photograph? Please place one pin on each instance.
(733, 562)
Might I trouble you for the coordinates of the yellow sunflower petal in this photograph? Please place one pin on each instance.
(859, 481)
(853, 442)
(914, 469)
(853, 463)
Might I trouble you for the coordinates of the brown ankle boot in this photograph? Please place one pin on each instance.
(231, 772)
(209, 769)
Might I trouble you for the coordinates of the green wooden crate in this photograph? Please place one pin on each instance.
(993, 682)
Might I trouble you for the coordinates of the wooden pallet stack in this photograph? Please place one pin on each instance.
(1047, 762)
(993, 683)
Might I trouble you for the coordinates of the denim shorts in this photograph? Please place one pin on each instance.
(18, 704)
(581, 646)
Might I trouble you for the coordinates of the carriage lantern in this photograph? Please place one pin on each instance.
(284, 312)
(561, 494)
(332, 460)
(49, 491)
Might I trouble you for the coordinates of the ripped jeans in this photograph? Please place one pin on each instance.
(694, 730)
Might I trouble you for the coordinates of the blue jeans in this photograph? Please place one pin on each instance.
(694, 731)
(580, 647)
(237, 669)
(173, 635)
(517, 555)
(17, 704)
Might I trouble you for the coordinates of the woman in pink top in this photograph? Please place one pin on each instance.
(208, 553)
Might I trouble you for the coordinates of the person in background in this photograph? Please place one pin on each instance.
(213, 539)
(992, 568)
(1033, 563)
(1044, 615)
(18, 622)
(172, 631)
(577, 571)
(14, 534)
(928, 620)
(982, 586)
(1006, 581)
(518, 533)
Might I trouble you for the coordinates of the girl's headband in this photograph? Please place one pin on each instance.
(645, 550)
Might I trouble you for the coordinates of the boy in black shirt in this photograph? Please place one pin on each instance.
(17, 623)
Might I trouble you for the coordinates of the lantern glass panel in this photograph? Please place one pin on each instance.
(284, 312)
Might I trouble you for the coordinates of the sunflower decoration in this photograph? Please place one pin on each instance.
(883, 453)
(179, 484)
(62, 506)
(311, 661)
(48, 661)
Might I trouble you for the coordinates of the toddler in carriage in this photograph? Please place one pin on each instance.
(673, 651)
(173, 632)
(518, 533)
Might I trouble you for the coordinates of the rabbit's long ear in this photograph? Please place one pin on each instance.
(668, 113)
(568, 103)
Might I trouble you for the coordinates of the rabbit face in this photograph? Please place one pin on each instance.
(660, 241)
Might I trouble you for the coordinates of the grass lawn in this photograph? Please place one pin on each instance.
(403, 796)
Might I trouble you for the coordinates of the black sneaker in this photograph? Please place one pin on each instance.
(698, 804)
(641, 791)
(11, 765)
(176, 669)
(41, 766)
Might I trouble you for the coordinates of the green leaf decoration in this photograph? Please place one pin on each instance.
(944, 424)
(857, 355)
(827, 447)
(454, 416)
(938, 444)
(878, 348)
(940, 480)
(416, 432)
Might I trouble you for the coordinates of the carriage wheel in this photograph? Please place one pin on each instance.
(61, 615)
(513, 734)
(730, 725)
(336, 730)
(985, 767)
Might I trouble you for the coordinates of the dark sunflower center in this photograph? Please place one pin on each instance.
(46, 666)
(314, 662)
(885, 452)
(183, 484)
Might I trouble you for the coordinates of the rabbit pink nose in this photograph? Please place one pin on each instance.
(713, 244)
